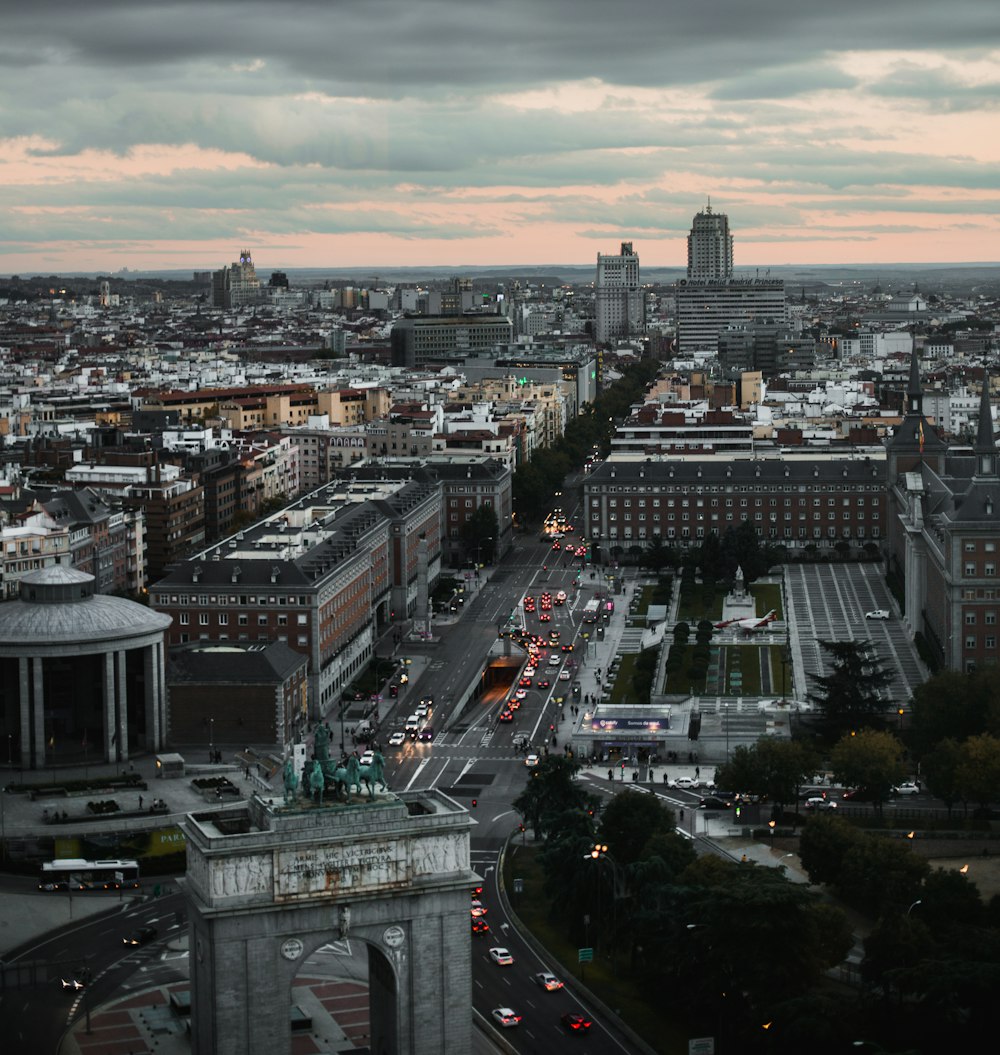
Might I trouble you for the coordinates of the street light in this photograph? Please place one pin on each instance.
(913, 906)
(211, 739)
(771, 825)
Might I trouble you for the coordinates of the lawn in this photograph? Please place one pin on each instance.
(622, 691)
(767, 595)
(701, 601)
(608, 979)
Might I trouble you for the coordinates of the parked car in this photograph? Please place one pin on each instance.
(908, 787)
(877, 613)
(685, 783)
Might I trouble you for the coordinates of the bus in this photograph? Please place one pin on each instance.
(74, 873)
(591, 610)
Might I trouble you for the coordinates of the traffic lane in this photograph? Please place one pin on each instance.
(515, 987)
(39, 1016)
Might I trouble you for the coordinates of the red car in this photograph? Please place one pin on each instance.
(575, 1023)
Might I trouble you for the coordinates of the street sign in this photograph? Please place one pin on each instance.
(701, 1046)
(585, 955)
(518, 886)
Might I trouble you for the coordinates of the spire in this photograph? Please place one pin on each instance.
(985, 445)
(914, 392)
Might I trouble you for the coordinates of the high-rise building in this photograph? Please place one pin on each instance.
(710, 247)
(619, 301)
(704, 309)
(236, 285)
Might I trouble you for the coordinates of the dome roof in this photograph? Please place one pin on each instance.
(58, 606)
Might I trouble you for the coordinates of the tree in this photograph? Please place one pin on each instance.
(824, 844)
(978, 773)
(772, 769)
(629, 821)
(940, 770)
(550, 792)
(849, 697)
(869, 759)
(879, 873)
(954, 706)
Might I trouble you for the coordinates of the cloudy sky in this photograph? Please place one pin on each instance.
(376, 132)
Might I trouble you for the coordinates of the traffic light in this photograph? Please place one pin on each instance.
(475, 802)
(739, 809)
(520, 827)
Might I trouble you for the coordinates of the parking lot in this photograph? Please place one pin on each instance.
(828, 603)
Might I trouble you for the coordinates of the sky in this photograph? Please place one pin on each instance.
(341, 133)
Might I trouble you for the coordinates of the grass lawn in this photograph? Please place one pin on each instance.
(767, 596)
(701, 601)
(747, 660)
(683, 680)
(623, 681)
(609, 980)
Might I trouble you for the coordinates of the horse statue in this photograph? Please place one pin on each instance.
(373, 774)
(346, 777)
(317, 782)
(291, 783)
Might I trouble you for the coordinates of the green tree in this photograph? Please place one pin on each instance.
(849, 697)
(772, 769)
(823, 846)
(940, 771)
(869, 759)
(978, 773)
(879, 873)
(629, 821)
(480, 533)
(551, 791)
(953, 706)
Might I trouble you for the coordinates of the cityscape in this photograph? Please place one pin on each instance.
(499, 525)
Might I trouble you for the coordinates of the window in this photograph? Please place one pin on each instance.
(262, 620)
(185, 618)
(990, 642)
(243, 620)
(990, 619)
(970, 618)
(303, 639)
(223, 619)
(989, 568)
(303, 619)
(970, 641)
(203, 618)
(970, 547)
(970, 568)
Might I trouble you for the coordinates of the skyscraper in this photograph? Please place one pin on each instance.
(236, 285)
(710, 247)
(619, 301)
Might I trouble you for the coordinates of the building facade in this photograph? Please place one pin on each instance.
(705, 308)
(619, 305)
(710, 247)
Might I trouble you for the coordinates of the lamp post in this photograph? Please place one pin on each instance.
(479, 547)
(913, 906)
(725, 723)
(771, 825)
(600, 853)
(211, 739)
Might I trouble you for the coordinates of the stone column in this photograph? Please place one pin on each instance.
(150, 700)
(26, 741)
(109, 707)
(39, 707)
(122, 695)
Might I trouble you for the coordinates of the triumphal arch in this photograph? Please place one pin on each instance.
(272, 880)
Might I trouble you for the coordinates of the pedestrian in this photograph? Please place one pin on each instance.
(664, 776)
(611, 776)
(140, 802)
(697, 772)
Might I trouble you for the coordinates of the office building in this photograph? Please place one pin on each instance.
(618, 297)
(706, 308)
(236, 285)
(710, 247)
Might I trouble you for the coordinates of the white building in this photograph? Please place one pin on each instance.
(619, 301)
(705, 308)
(710, 247)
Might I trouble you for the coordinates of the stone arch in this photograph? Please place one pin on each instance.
(268, 885)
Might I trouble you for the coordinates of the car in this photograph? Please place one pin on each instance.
(715, 802)
(531, 760)
(506, 716)
(557, 545)
(525, 682)
(575, 1022)
(520, 694)
(858, 795)
(554, 636)
(140, 936)
(422, 710)
(568, 647)
(545, 617)
(499, 955)
(368, 758)
(412, 724)
(685, 783)
(478, 908)
(554, 661)
(506, 1017)
(909, 787)
(561, 597)
(528, 600)
(480, 926)
(396, 739)
(513, 704)
(548, 981)
(427, 733)
(393, 691)
(877, 613)
(818, 803)
(545, 684)
(564, 675)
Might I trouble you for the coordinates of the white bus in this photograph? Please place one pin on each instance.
(591, 610)
(74, 873)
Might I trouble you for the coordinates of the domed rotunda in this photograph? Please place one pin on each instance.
(81, 673)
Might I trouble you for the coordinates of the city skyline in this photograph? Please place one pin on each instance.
(374, 133)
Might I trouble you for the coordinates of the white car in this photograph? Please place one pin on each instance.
(548, 981)
(685, 783)
(910, 787)
(564, 675)
(877, 613)
(396, 739)
(531, 760)
(818, 803)
(521, 694)
(554, 661)
(367, 758)
(501, 956)
(421, 711)
(506, 1017)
